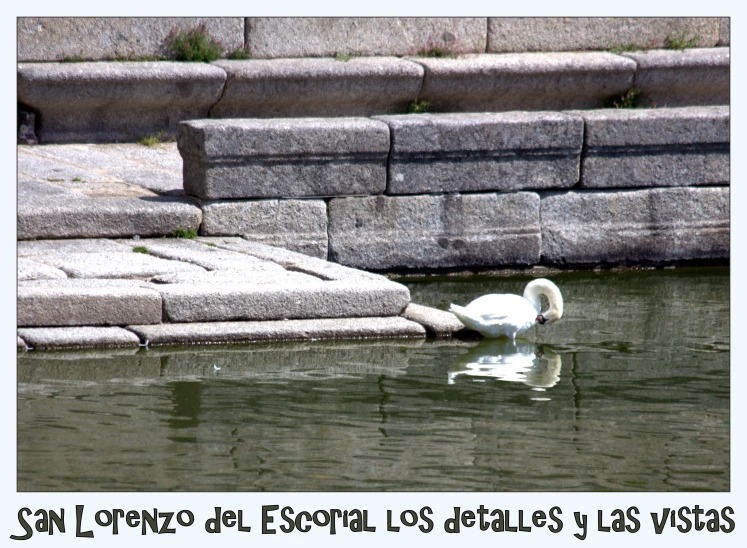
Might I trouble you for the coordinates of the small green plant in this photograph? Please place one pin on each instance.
(77, 180)
(436, 51)
(140, 249)
(627, 47)
(189, 233)
(344, 57)
(629, 99)
(681, 40)
(72, 59)
(418, 107)
(153, 140)
(195, 44)
(241, 52)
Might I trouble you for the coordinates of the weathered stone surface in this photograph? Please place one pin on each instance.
(237, 276)
(652, 225)
(271, 37)
(46, 211)
(524, 81)
(230, 302)
(656, 147)
(114, 265)
(298, 225)
(670, 78)
(234, 332)
(523, 34)
(436, 322)
(317, 87)
(157, 168)
(84, 283)
(124, 101)
(42, 338)
(724, 34)
(30, 248)
(283, 158)
(486, 151)
(101, 38)
(42, 306)
(437, 231)
(33, 270)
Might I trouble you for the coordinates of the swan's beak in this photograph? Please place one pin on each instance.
(540, 319)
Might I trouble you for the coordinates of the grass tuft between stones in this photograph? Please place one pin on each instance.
(140, 249)
(629, 99)
(181, 232)
(418, 107)
(682, 40)
(195, 44)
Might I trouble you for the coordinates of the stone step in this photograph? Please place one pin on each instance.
(126, 101)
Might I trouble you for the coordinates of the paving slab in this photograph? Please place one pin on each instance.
(656, 147)
(437, 323)
(100, 38)
(116, 101)
(360, 86)
(272, 37)
(69, 306)
(83, 283)
(650, 225)
(523, 34)
(45, 338)
(238, 302)
(34, 270)
(296, 330)
(435, 231)
(524, 81)
(298, 225)
(670, 78)
(45, 211)
(283, 158)
(29, 248)
(483, 152)
(237, 276)
(115, 265)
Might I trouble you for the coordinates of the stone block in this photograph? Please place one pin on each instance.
(524, 81)
(271, 37)
(436, 231)
(298, 225)
(437, 323)
(283, 158)
(233, 277)
(34, 270)
(241, 301)
(46, 211)
(29, 248)
(68, 306)
(656, 147)
(290, 330)
(45, 338)
(524, 34)
(635, 226)
(115, 265)
(669, 78)
(119, 101)
(482, 152)
(724, 33)
(259, 88)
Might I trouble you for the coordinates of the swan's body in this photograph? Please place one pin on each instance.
(510, 315)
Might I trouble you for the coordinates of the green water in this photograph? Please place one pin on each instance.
(628, 392)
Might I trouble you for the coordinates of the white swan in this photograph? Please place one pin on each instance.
(509, 315)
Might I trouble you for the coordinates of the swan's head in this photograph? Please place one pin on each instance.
(541, 286)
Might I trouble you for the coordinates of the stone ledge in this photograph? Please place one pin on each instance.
(116, 101)
(317, 87)
(287, 330)
(482, 152)
(46, 338)
(437, 323)
(283, 158)
(669, 78)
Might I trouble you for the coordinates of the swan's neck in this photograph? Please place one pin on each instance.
(541, 286)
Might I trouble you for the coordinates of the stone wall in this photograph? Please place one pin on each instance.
(57, 38)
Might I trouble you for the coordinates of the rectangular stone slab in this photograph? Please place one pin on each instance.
(656, 147)
(283, 158)
(482, 152)
(650, 225)
(63, 306)
(230, 302)
(360, 86)
(435, 231)
(524, 81)
(78, 337)
(291, 330)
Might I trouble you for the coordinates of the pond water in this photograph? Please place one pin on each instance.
(628, 392)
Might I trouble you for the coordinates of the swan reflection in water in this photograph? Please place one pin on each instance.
(525, 362)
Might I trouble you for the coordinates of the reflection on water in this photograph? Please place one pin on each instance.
(629, 391)
(512, 361)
